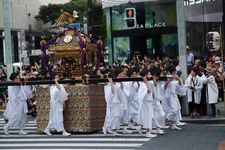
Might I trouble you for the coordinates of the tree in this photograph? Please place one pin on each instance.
(49, 14)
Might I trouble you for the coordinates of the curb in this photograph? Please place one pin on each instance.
(205, 121)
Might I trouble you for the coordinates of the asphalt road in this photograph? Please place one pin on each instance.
(191, 137)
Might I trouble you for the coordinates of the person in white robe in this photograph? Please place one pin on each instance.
(146, 113)
(159, 120)
(114, 108)
(212, 92)
(16, 109)
(194, 85)
(133, 101)
(58, 96)
(173, 87)
(123, 92)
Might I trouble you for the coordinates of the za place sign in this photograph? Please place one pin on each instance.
(149, 25)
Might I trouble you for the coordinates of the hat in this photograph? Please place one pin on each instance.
(13, 76)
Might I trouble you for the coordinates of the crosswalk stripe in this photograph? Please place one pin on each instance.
(72, 149)
(18, 145)
(27, 128)
(75, 140)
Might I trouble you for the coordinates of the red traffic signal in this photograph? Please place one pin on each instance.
(130, 13)
(130, 17)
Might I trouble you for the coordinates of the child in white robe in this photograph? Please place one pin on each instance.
(58, 96)
(16, 109)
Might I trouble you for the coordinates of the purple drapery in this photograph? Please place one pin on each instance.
(44, 57)
(99, 57)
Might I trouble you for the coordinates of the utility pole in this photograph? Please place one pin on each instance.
(7, 46)
(182, 44)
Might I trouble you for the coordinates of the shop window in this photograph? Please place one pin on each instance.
(121, 48)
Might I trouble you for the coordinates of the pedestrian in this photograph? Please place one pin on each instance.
(3, 89)
(212, 92)
(58, 96)
(194, 85)
(16, 109)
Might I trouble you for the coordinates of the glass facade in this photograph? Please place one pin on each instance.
(121, 48)
(160, 13)
(154, 34)
(156, 31)
(148, 15)
(202, 18)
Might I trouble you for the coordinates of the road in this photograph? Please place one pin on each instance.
(191, 137)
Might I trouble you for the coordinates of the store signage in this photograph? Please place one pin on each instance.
(150, 25)
(195, 2)
(213, 41)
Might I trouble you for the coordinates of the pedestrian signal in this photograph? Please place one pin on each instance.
(130, 18)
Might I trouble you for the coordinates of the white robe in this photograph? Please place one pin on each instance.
(114, 108)
(123, 92)
(159, 113)
(197, 92)
(133, 102)
(173, 89)
(212, 92)
(165, 100)
(58, 98)
(145, 113)
(28, 91)
(16, 109)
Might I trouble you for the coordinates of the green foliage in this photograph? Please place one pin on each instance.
(51, 12)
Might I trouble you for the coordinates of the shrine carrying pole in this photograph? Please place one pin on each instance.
(73, 81)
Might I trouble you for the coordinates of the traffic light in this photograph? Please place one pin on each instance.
(130, 18)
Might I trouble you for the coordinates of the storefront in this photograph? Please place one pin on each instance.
(155, 33)
(201, 17)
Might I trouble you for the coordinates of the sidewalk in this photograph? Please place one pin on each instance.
(220, 118)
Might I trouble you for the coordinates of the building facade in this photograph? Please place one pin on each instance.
(22, 13)
(155, 32)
